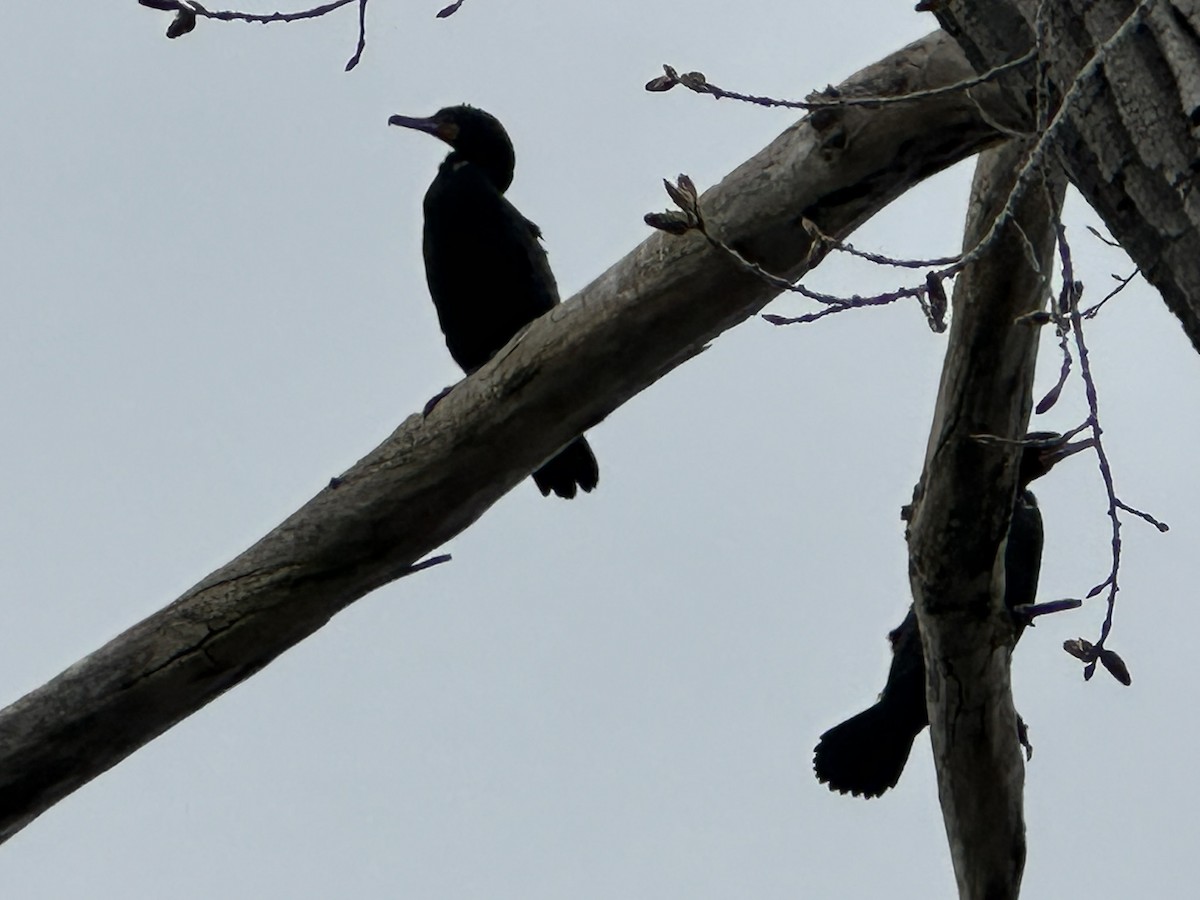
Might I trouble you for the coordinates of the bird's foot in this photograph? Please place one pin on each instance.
(1023, 737)
(435, 400)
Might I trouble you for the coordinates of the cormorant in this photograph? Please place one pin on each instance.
(866, 754)
(484, 263)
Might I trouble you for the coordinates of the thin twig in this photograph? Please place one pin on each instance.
(187, 11)
(691, 218)
(1072, 318)
(1122, 283)
(1103, 239)
(696, 82)
(833, 243)
(238, 16)
(362, 35)
(427, 563)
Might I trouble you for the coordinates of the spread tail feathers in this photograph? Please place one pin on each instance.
(574, 467)
(866, 753)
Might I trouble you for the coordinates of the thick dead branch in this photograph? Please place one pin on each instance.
(1130, 73)
(961, 517)
(434, 476)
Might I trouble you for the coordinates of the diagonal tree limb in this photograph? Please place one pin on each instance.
(959, 523)
(434, 476)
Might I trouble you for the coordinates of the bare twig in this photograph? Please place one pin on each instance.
(1103, 238)
(1047, 402)
(846, 247)
(187, 11)
(238, 16)
(1122, 283)
(1071, 322)
(1027, 612)
(843, 304)
(428, 563)
(690, 217)
(829, 98)
(362, 36)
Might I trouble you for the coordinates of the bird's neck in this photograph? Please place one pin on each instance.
(499, 170)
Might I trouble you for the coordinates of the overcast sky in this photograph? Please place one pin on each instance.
(213, 301)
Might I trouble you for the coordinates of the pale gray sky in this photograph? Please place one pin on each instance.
(213, 301)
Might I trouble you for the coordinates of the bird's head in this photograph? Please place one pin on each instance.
(475, 136)
(1043, 450)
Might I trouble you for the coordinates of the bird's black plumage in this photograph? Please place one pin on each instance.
(486, 269)
(867, 753)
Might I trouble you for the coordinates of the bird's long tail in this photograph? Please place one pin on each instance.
(574, 467)
(866, 753)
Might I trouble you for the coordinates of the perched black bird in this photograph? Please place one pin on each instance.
(487, 272)
(866, 753)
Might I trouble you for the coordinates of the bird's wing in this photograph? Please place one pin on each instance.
(488, 274)
(535, 253)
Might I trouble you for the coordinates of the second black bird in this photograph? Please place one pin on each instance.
(484, 262)
(867, 753)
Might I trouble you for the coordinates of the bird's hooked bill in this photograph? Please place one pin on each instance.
(439, 128)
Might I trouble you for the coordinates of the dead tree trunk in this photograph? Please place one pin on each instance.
(959, 522)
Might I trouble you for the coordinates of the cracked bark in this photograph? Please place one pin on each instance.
(433, 477)
(959, 523)
(1130, 141)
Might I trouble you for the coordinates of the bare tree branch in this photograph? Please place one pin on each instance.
(1069, 320)
(231, 15)
(960, 519)
(434, 476)
(188, 11)
(830, 97)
